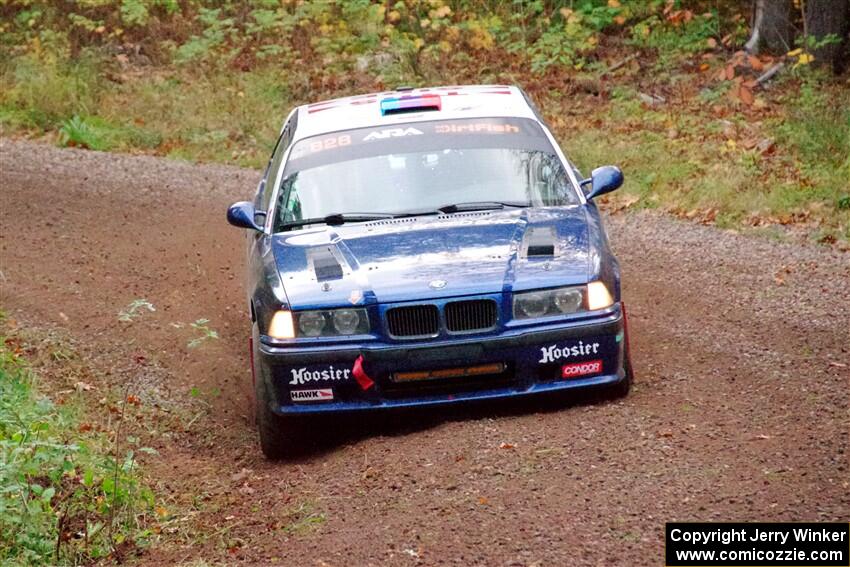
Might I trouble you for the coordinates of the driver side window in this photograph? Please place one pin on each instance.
(283, 144)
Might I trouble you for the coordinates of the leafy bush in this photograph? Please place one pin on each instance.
(66, 495)
(76, 132)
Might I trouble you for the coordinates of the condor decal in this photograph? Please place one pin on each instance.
(577, 369)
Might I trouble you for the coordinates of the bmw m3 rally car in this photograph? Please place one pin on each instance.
(421, 247)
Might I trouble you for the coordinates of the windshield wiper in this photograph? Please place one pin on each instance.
(337, 219)
(482, 206)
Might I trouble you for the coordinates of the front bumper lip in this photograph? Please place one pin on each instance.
(468, 348)
(484, 395)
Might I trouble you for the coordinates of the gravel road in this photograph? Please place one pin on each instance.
(739, 411)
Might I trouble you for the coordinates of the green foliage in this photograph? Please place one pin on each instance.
(674, 40)
(135, 309)
(134, 12)
(42, 92)
(67, 493)
(216, 30)
(816, 129)
(78, 133)
(207, 333)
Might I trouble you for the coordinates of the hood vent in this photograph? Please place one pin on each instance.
(324, 263)
(539, 242)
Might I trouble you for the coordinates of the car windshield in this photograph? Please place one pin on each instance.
(420, 168)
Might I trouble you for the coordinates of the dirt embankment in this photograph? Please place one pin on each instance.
(740, 410)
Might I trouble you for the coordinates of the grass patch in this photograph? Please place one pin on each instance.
(693, 163)
(70, 493)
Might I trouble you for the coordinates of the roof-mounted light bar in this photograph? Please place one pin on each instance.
(404, 104)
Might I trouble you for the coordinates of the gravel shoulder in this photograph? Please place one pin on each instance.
(741, 409)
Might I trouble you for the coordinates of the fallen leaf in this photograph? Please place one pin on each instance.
(483, 501)
(711, 42)
(507, 446)
(730, 72)
(746, 95)
(755, 63)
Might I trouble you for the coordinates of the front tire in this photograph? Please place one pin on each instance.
(279, 436)
(621, 389)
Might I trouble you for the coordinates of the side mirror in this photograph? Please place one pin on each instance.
(241, 215)
(603, 180)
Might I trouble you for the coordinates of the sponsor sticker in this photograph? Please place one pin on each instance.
(581, 369)
(304, 376)
(355, 296)
(392, 133)
(312, 395)
(554, 353)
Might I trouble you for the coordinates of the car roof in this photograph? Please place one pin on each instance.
(363, 111)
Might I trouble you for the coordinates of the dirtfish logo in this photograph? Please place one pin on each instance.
(303, 376)
(554, 352)
(392, 133)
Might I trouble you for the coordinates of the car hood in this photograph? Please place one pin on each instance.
(434, 256)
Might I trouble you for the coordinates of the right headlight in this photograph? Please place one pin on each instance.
(561, 301)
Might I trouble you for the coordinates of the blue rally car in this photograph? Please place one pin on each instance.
(421, 247)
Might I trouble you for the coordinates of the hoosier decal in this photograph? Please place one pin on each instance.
(555, 353)
(303, 376)
(311, 395)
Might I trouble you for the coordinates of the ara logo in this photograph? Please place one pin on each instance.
(303, 376)
(392, 133)
(311, 395)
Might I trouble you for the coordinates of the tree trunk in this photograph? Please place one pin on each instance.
(825, 17)
(772, 28)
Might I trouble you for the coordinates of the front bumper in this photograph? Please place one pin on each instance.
(532, 358)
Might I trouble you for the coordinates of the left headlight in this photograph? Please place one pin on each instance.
(561, 301)
(332, 322)
(323, 323)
